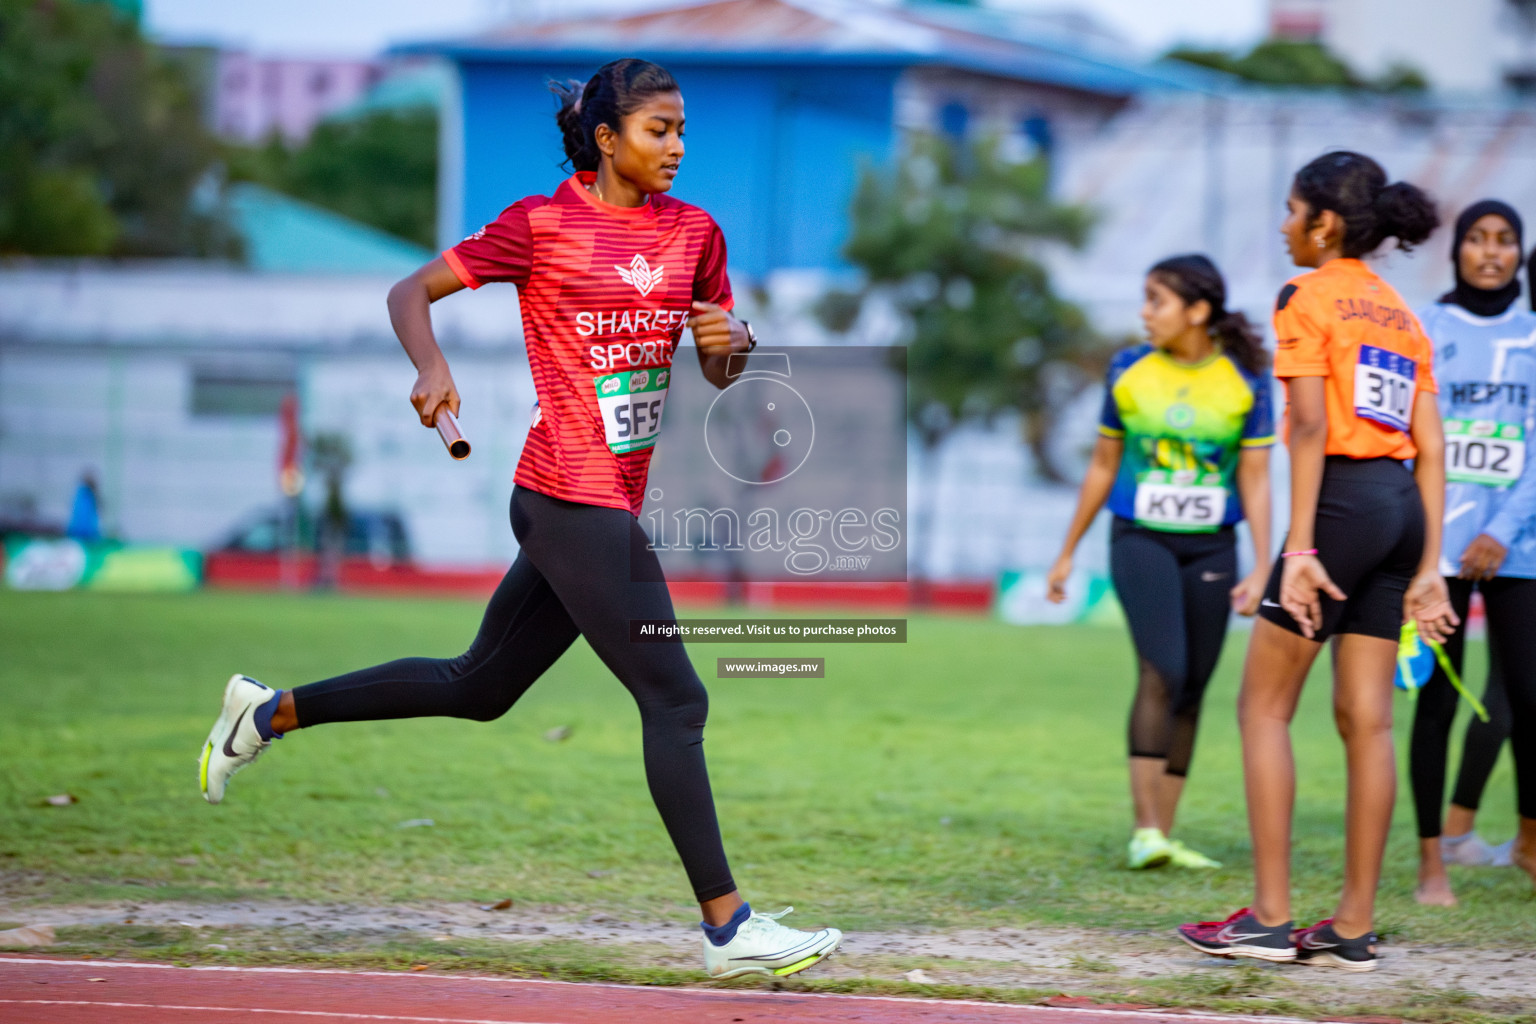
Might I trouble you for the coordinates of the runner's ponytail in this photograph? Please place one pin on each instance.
(1355, 187)
(1194, 278)
(618, 89)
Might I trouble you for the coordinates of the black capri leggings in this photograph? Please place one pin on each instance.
(1174, 589)
(1510, 698)
(572, 577)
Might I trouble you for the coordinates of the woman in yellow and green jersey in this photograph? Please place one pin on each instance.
(1182, 456)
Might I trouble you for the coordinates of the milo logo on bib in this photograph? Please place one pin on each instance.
(1181, 501)
(631, 404)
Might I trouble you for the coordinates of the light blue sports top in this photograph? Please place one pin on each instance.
(1486, 367)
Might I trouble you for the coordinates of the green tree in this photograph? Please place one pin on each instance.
(1294, 62)
(102, 145)
(948, 240)
(380, 168)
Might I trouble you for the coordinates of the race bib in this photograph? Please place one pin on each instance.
(631, 405)
(1384, 387)
(1183, 501)
(1484, 452)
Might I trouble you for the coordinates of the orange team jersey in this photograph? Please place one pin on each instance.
(1343, 323)
(605, 293)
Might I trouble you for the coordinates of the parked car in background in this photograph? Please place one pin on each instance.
(378, 535)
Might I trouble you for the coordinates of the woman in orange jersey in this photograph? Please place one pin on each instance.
(1362, 553)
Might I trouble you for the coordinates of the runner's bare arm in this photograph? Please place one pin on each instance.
(716, 334)
(1253, 489)
(410, 314)
(1304, 577)
(1427, 599)
(1097, 483)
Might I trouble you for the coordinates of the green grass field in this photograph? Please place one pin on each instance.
(972, 776)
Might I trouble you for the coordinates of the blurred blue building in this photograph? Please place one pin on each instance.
(786, 100)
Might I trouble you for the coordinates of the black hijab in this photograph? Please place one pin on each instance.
(1480, 301)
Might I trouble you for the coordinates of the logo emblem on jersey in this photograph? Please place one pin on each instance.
(611, 385)
(639, 380)
(661, 378)
(1180, 416)
(640, 274)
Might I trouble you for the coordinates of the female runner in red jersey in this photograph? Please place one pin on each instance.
(609, 270)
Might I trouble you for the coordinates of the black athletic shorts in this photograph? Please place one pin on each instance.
(1370, 537)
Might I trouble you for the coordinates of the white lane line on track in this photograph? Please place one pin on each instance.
(1181, 1016)
(331, 1014)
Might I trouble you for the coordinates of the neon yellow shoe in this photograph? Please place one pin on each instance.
(1149, 849)
(1184, 857)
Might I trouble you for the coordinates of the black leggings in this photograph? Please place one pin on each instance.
(1510, 698)
(572, 577)
(1485, 740)
(1174, 589)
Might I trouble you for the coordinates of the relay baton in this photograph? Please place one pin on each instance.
(448, 430)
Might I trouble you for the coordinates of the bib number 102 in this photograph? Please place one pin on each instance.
(1384, 387)
(631, 405)
(1484, 452)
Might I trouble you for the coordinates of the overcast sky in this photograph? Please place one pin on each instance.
(361, 27)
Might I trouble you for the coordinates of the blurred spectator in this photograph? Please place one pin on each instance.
(85, 511)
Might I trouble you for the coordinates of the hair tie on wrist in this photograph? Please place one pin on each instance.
(1292, 554)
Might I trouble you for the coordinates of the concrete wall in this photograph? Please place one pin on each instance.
(1211, 175)
(1469, 46)
(97, 369)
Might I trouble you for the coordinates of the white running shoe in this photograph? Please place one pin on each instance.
(234, 741)
(1501, 856)
(1469, 849)
(763, 946)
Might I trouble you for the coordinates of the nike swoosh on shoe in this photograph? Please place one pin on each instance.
(229, 739)
(1228, 936)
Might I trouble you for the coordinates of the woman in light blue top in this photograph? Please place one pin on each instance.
(1485, 361)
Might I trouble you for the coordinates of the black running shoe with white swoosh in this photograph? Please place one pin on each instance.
(1241, 935)
(1321, 946)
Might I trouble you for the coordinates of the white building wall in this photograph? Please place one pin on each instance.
(96, 372)
(1177, 174)
(1465, 46)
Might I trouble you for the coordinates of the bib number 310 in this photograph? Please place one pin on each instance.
(1384, 387)
(631, 405)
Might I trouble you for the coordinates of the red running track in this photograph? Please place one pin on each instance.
(36, 990)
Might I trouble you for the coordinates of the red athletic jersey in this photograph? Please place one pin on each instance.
(605, 292)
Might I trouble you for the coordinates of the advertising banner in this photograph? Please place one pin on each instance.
(62, 563)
